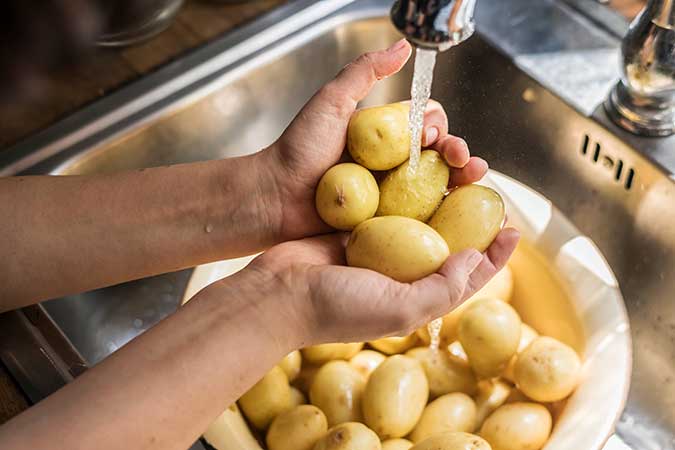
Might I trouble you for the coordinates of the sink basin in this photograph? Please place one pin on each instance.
(525, 98)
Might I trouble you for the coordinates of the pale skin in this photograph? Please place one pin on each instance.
(66, 235)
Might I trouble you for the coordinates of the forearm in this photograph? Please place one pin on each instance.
(64, 235)
(163, 389)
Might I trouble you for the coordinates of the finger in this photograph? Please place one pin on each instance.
(473, 171)
(435, 123)
(493, 260)
(454, 149)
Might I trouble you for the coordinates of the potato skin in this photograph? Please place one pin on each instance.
(454, 440)
(378, 137)
(291, 364)
(450, 412)
(366, 361)
(337, 390)
(396, 444)
(322, 353)
(297, 397)
(395, 396)
(402, 248)
(471, 216)
(349, 436)
(267, 398)
(489, 331)
(517, 426)
(415, 195)
(444, 372)
(527, 335)
(547, 370)
(394, 344)
(346, 195)
(297, 429)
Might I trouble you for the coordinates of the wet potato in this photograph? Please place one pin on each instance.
(267, 398)
(297, 429)
(450, 412)
(338, 390)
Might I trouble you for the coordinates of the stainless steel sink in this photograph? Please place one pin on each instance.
(527, 98)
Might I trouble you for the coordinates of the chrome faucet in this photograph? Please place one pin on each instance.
(434, 24)
(643, 101)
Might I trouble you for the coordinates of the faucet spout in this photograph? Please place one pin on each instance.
(434, 24)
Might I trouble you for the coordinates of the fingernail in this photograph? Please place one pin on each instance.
(430, 135)
(397, 46)
(473, 261)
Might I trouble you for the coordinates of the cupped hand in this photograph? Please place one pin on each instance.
(316, 139)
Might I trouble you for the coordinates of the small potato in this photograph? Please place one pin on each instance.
(489, 331)
(291, 365)
(346, 195)
(415, 195)
(322, 353)
(402, 248)
(349, 436)
(527, 335)
(366, 361)
(444, 373)
(306, 377)
(471, 216)
(378, 137)
(396, 444)
(517, 426)
(395, 396)
(455, 440)
(297, 429)
(230, 430)
(491, 395)
(547, 370)
(267, 398)
(297, 397)
(393, 345)
(450, 412)
(337, 389)
(500, 286)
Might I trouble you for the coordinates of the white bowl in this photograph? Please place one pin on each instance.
(592, 318)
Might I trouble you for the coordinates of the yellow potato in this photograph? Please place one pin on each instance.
(396, 444)
(457, 351)
(450, 412)
(378, 137)
(319, 354)
(267, 398)
(291, 365)
(500, 286)
(445, 374)
(347, 195)
(415, 195)
(454, 440)
(527, 335)
(402, 248)
(304, 380)
(349, 436)
(547, 370)
(517, 396)
(471, 216)
(489, 331)
(491, 395)
(392, 345)
(297, 397)
(297, 429)
(395, 396)
(230, 430)
(517, 426)
(366, 361)
(337, 389)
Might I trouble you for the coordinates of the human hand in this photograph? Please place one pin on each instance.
(316, 139)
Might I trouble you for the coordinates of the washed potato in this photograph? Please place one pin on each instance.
(471, 216)
(445, 374)
(291, 365)
(349, 436)
(230, 430)
(267, 398)
(457, 351)
(306, 377)
(347, 195)
(527, 335)
(547, 370)
(337, 389)
(450, 412)
(517, 426)
(517, 396)
(395, 396)
(396, 444)
(297, 397)
(402, 248)
(297, 429)
(378, 137)
(319, 354)
(394, 344)
(455, 440)
(366, 361)
(491, 395)
(415, 195)
(489, 331)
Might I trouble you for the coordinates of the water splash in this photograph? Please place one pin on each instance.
(434, 328)
(425, 60)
